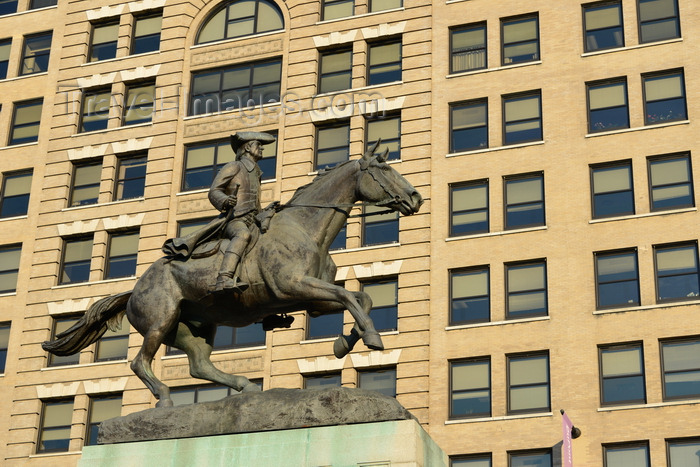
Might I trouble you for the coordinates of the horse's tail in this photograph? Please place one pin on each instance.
(104, 314)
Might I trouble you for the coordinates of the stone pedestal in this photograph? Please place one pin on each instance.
(401, 443)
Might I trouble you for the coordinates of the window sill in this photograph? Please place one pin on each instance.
(84, 365)
(364, 15)
(638, 216)
(232, 111)
(86, 206)
(497, 323)
(496, 234)
(489, 70)
(15, 78)
(639, 128)
(23, 145)
(496, 419)
(14, 218)
(117, 59)
(90, 283)
(109, 130)
(53, 454)
(631, 47)
(237, 39)
(647, 307)
(365, 248)
(8, 294)
(497, 148)
(649, 406)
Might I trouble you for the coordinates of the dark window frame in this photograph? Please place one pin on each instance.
(375, 309)
(678, 442)
(227, 20)
(506, 205)
(51, 358)
(667, 246)
(370, 45)
(373, 9)
(73, 186)
(330, 2)
(483, 128)
(328, 375)
(508, 293)
(466, 457)
(109, 258)
(388, 223)
(474, 360)
(63, 263)
(548, 452)
(134, 38)
(334, 51)
(12, 141)
(338, 124)
(666, 157)
(540, 119)
(626, 444)
(664, 373)
(648, 121)
(111, 337)
(617, 252)
(35, 4)
(594, 194)
(137, 104)
(466, 185)
(121, 160)
(468, 270)
(384, 369)
(91, 56)
(509, 386)
(640, 23)
(25, 54)
(42, 427)
(516, 19)
(11, 9)
(626, 106)
(601, 5)
(11, 247)
(475, 50)
(4, 348)
(93, 93)
(5, 64)
(601, 381)
(379, 118)
(3, 187)
(91, 426)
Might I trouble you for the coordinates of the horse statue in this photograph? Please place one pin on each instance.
(288, 268)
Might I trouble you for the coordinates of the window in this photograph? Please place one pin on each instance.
(389, 130)
(54, 431)
(9, 267)
(229, 337)
(526, 284)
(469, 126)
(241, 18)
(335, 70)
(185, 228)
(332, 9)
(138, 107)
(469, 208)
(378, 229)
(121, 256)
(35, 55)
(60, 325)
(146, 34)
(4, 344)
(472, 460)
(340, 240)
(86, 183)
(528, 383)
(670, 182)
(520, 40)
(470, 388)
(384, 295)
(268, 163)
(683, 452)
(381, 5)
(235, 87)
(621, 455)
(530, 459)
(192, 395)
(332, 145)
(677, 273)
(35, 4)
(25, 122)
(5, 46)
(617, 279)
(131, 177)
(14, 198)
(607, 106)
(622, 375)
(469, 296)
(322, 381)
(664, 98)
(203, 162)
(113, 345)
(7, 7)
(75, 267)
(468, 48)
(613, 194)
(522, 118)
(681, 368)
(103, 41)
(603, 26)
(524, 201)
(382, 381)
(94, 114)
(101, 409)
(384, 62)
(324, 325)
(658, 20)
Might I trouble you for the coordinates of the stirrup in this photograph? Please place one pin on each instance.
(226, 283)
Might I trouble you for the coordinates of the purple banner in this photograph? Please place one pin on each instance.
(566, 452)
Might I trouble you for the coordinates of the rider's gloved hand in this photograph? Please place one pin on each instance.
(230, 202)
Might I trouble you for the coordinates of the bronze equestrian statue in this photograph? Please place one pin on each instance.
(287, 269)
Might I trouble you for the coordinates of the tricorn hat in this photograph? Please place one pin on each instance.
(242, 137)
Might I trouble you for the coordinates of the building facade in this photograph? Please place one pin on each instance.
(554, 264)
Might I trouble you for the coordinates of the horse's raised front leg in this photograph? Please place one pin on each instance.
(198, 350)
(357, 303)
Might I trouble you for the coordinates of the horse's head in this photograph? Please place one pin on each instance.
(383, 185)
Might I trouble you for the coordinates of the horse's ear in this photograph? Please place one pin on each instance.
(382, 157)
(370, 152)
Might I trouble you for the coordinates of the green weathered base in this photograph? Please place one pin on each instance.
(396, 443)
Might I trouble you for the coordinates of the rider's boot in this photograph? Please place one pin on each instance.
(227, 281)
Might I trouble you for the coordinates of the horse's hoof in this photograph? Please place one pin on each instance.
(340, 347)
(373, 341)
(164, 403)
(251, 387)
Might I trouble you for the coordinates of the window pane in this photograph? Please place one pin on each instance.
(681, 364)
(469, 127)
(14, 200)
(671, 186)
(529, 398)
(381, 5)
(131, 177)
(5, 47)
(664, 99)
(333, 146)
(139, 104)
(4, 344)
(382, 381)
(470, 392)
(622, 371)
(35, 57)
(9, 268)
(658, 20)
(25, 127)
(528, 370)
(321, 382)
(380, 228)
(468, 48)
(335, 71)
(470, 296)
(633, 456)
(683, 453)
(603, 26)
(325, 325)
(333, 9)
(54, 433)
(269, 18)
(213, 29)
(389, 130)
(476, 461)
(612, 191)
(522, 119)
(384, 63)
(607, 105)
(618, 283)
(520, 41)
(531, 460)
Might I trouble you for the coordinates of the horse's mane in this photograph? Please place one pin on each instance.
(321, 173)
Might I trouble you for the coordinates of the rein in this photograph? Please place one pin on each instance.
(337, 207)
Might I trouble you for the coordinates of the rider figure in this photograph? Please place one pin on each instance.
(236, 192)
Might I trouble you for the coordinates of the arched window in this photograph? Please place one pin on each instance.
(240, 18)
